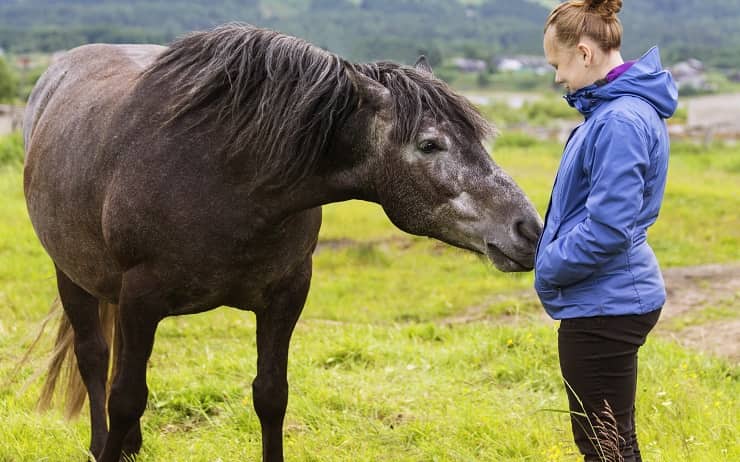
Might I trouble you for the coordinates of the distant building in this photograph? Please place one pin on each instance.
(536, 64)
(691, 74)
(469, 65)
(508, 65)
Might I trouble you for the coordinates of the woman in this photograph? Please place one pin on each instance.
(594, 268)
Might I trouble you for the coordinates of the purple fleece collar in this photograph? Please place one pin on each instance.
(619, 70)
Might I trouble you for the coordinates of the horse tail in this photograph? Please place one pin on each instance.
(63, 361)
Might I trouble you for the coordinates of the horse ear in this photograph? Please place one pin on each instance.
(370, 92)
(422, 64)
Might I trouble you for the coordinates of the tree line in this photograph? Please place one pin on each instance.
(364, 30)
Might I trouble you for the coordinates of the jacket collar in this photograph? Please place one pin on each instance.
(589, 98)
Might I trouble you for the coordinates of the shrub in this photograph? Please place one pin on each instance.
(11, 149)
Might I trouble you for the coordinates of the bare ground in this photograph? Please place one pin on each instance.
(697, 288)
(685, 319)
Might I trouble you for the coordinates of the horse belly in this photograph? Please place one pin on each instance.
(276, 256)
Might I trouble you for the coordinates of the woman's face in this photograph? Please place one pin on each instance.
(571, 63)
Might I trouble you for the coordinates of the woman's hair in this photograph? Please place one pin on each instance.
(596, 19)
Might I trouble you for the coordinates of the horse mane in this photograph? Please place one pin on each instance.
(416, 95)
(280, 99)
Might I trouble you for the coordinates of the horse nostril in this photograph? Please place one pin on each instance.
(529, 229)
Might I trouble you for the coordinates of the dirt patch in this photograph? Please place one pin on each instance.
(720, 338)
(697, 288)
(691, 290)
(480, 312)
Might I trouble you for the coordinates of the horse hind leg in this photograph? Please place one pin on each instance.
(91, 349)
(141, 307)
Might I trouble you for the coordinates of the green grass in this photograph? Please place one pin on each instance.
(375, 372)
(548, 110)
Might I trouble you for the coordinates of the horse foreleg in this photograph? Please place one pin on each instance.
(275, 325)
(141, 307)
(91, 351)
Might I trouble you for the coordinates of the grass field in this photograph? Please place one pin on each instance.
(376, 371)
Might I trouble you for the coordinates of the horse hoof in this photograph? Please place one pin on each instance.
(95, 454)
(129, 454)
(131, 444)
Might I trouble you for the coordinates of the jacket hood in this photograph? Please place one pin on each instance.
(646, 79)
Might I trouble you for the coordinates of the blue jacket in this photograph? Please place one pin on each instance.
(593, 258)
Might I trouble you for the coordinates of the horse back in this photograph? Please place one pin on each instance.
(90, 71)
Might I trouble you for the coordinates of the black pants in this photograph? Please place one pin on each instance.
(598, 360)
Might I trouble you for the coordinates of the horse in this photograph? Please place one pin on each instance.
(167, 181)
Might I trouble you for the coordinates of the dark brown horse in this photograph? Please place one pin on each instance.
(169, 181)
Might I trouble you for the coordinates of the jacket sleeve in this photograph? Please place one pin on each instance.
(618, 162)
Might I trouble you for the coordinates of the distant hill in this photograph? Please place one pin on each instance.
(364, 30)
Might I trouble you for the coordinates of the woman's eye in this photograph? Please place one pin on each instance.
(428, 147)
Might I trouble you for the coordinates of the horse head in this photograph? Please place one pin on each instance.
(428, 168)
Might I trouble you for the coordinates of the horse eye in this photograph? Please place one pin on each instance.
(428, 147)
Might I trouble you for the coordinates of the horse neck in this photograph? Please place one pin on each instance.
(318, 190)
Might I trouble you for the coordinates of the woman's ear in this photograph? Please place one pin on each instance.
(586, 53)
